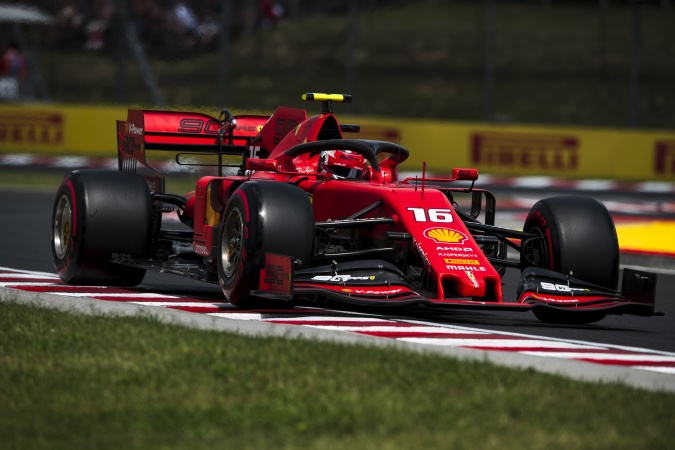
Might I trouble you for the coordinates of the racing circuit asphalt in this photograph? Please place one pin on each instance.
(25, 244)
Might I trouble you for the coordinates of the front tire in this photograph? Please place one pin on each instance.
(98, 213)
(578, 238)
(262, 218)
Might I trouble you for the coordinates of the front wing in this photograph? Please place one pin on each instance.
(377, 283)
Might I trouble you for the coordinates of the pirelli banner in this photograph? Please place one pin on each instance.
(516, 150)
(512, 150)
(59, 130)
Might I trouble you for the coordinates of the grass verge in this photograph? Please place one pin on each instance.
(70, 381)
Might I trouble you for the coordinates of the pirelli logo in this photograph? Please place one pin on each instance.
(44, 129)
(529, 151)
(472, 262)
(664, 158)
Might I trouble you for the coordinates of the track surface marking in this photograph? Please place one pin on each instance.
(406, 330)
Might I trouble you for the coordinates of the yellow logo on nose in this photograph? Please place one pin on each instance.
(445, 235)
(470, 262)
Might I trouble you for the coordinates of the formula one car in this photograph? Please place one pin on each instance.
(309, 215)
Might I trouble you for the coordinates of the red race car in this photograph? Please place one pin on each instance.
(308, 215)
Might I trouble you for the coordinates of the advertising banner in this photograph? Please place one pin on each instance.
(59, 130)
(516, 150)
(505, 149)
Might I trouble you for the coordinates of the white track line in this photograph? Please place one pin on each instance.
(331, 319)
(497, 343)
(105, 294)
(603, 356)
(238, 316)
(666, 370)
(28, 273)
(183, 304)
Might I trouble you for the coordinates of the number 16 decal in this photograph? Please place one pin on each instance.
(432, 215)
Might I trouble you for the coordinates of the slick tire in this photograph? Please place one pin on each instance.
(262, 217)
(96, 214)
(577, 238)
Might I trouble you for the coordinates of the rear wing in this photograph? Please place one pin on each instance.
(179, 132)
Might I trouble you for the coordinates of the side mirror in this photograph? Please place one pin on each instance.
(269, 165)
(465, 174)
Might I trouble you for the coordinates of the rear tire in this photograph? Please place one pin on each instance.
(260, 218)
(97, 213)
(578, 239)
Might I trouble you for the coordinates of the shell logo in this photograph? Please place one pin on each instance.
(445, 235)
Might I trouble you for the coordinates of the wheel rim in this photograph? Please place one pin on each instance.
(231, 244)
(63, 219)
(536, 250)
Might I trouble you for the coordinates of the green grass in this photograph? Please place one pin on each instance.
(34, 179)
(566, 64)
(70, 381)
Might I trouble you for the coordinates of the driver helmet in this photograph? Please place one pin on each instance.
(343, 164)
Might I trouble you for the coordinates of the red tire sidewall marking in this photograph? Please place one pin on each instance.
(540, 221)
